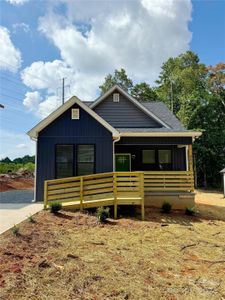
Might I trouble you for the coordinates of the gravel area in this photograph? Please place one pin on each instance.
(17, 196)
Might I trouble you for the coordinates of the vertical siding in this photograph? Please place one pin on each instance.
(178, 156)
(155, 141)
(179, 159)
(124, 114)
(63, 130)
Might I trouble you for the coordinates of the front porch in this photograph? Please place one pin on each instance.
(122, 188)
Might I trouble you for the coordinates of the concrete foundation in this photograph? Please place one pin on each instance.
(177, 200)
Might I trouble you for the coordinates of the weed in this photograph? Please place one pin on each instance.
(102, 214)
(166, 207)
(15, 230)
(55, 206)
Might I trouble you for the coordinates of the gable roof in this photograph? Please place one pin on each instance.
(33, 133)
(134, 101)
(162, 111)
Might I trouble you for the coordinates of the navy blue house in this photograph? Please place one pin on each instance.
(114, 132)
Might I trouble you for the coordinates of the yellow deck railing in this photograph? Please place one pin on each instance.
(104, 189)
(115, 188)
(169, 181)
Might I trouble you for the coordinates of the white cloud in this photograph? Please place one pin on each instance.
(136, 35)
(21, 146)
(95, 39)
(38, 105)
(15, 145)
(10, 57)
(17, 2)
(21, 26)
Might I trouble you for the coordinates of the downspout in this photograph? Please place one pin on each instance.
(115, 141)
(35, 168)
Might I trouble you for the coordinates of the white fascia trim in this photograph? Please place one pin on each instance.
(33, 133)
(161, 134)
(138, 104)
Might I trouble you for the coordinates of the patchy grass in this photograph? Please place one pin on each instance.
(73, 256)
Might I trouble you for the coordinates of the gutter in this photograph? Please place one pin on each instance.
(35, 166)
(114, 142)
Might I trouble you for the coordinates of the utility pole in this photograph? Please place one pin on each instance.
(63, 90)
(171, 95)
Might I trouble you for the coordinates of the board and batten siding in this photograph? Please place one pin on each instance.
(64, 130)
(124, 114)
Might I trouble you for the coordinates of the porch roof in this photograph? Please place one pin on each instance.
(154, 132)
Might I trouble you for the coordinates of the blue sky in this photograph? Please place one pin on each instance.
(85, 40)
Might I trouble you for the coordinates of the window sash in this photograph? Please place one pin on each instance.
(148, 156)
(64, 161)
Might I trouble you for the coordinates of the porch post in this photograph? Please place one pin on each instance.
(190, 159)
(190, 166)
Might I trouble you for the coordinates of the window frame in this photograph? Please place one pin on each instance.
(73, 157)
(156, 165)
(94, 162)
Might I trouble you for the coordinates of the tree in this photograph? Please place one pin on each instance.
(120, 77)
(182, 84)
(216, 78)
(6, 160)
(209, 149)
(143, 92)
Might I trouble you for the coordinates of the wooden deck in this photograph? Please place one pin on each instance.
(115, 188)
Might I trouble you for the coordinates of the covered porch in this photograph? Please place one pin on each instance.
(167, 163)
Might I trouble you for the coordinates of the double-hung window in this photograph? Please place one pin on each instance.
(64, 161)
(85, 159)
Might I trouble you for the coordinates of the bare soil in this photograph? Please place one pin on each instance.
(73, 256)
(21, 183)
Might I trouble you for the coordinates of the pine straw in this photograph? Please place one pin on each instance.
(72, 256)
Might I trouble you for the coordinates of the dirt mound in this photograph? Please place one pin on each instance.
(16, 182)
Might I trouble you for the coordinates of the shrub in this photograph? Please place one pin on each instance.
(102, 214)
(166, 207)
(190, 211)
(55, 206)
(15, 230)
(30, 219)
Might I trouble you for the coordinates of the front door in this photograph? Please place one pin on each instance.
(123, 162)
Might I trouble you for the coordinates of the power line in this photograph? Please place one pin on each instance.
(14, 91)
(15, 98)
(41, 79)
(19, 84)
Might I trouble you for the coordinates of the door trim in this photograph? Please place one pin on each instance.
(129, 154)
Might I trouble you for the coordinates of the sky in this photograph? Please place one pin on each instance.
(43, 41)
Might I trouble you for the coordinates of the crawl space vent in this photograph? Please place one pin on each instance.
(75, 114)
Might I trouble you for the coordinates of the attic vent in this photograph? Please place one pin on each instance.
(75, 114)
(116, 97)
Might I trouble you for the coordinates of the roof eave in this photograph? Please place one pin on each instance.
(193, 134)
(33, 133)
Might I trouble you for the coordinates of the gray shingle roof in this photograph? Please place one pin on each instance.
(163, 112)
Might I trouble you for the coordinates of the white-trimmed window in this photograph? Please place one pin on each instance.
(116, 97)
(75, 114)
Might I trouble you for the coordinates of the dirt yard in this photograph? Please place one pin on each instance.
(72, 256)
(8, 183)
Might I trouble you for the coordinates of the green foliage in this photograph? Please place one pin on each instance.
(15, 230)
(209, 149)
(189, 211)
(120, 77)
(166, 207)
(102, 214)
(30, 219)
(26, 163)
(182, 84)
(14, 167)
(143, 92)
(55, 206)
